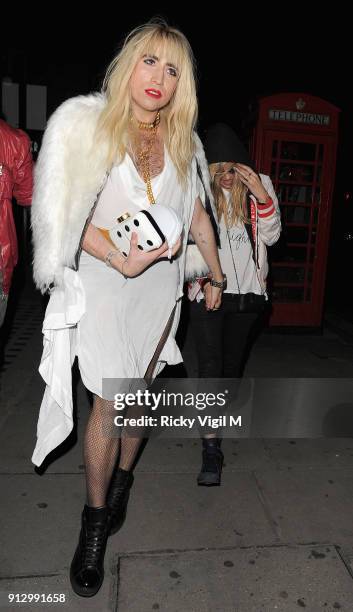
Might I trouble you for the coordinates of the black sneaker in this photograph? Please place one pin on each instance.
(212, 461)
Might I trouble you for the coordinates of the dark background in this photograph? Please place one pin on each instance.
(243, 52)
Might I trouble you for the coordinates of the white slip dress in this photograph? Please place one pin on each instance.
(125, 318)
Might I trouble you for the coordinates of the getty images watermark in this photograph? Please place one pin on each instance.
(165, 400)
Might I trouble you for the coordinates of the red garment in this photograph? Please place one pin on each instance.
(16, 181)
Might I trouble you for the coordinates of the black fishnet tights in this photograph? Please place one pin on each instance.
(100, 450)
(102, 443)
(103, 440)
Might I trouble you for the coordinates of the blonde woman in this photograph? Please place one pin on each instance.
(104, 155)
(249, 221)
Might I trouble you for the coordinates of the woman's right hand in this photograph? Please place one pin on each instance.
(213, 297)
(137, 261)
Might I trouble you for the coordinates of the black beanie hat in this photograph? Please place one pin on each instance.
(223, 145)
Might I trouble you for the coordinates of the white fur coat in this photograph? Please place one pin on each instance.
(69, 175)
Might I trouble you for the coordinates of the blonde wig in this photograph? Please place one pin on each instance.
(178, 118)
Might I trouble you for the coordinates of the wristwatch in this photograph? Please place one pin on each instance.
(220, 284)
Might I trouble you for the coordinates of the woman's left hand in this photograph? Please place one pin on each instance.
(252, 181)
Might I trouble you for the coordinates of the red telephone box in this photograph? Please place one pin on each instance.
(295, 142)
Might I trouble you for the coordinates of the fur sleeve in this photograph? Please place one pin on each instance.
(65, 182)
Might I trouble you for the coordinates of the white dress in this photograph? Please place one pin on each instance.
(125, 318)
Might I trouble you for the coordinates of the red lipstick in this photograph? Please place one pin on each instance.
(153, 93)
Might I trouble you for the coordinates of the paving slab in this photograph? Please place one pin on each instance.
(49, 586)
(276, 354)
(309, 505)
(166, 512)
(315, 453)
(285, 579)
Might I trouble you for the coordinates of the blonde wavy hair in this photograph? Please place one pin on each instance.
(178, 118)
(235, 210)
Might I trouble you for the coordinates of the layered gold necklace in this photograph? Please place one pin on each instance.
(144, 152)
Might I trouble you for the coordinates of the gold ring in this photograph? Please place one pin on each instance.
(123, 217)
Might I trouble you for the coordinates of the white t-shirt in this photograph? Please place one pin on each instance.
(238, 245)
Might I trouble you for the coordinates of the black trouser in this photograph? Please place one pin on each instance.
(221, 337)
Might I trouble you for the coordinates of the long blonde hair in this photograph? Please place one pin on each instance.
(235, 210)
(178, 117)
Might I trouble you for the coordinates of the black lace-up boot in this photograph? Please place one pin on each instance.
(212, 461)
(118, 497)
(87, 567)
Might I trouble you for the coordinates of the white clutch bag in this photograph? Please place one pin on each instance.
(154, 226)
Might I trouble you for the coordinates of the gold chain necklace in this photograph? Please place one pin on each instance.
(144, 154)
